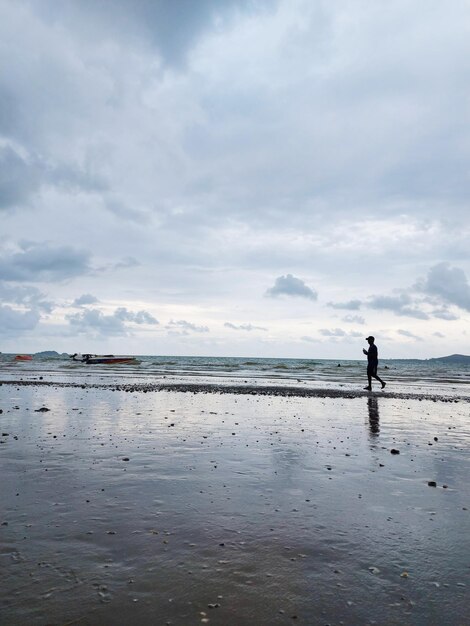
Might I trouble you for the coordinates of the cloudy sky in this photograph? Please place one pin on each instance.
(235, 177)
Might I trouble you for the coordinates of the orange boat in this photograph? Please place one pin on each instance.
(23, 357)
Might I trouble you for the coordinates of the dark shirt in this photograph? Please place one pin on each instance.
(372, 354)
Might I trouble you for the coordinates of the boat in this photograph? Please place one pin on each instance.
(23, 357)
(112, 360)
(105, 359)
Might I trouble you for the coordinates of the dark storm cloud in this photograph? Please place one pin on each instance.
(290, 285)
(13, 322)
(43, 263)
(246, 327)
(450, 284)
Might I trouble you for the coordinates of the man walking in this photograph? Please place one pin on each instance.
(372, 363)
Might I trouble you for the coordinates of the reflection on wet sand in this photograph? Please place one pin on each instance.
(374, 424)
(153, 508)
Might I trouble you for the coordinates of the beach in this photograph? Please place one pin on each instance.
(191, 506)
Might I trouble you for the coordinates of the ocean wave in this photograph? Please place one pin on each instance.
(159, 363)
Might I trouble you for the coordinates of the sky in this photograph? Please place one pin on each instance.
(271, 178)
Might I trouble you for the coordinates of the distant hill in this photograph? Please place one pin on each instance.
(453, 358)
(50, 353)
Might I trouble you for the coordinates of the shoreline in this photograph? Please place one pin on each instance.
(258, 390)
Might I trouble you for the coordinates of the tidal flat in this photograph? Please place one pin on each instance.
(179, 508)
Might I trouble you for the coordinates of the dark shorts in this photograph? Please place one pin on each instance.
(372, 369)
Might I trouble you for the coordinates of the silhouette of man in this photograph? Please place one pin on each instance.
(372, 363)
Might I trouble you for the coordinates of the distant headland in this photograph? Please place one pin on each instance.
(453, 358)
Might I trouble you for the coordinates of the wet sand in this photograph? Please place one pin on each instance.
(164, 507)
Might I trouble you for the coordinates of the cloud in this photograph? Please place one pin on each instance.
(292, 286)
(172, 28)
(13, 321)
(26, 296)
(108, 325)
(444, 314)
(36, 262)
(438, 334)
(95, 320)
(18, 178)
(354, 319)
(443, 284)
(126, 263)
(21, 308)
(335, 332)
(23, 174)
(410, 335)
(450, 284)
(73, 178)
(352, 305)
(141, 317)
(183, 325)
(151, 129)
(126, 212)
(85, 299)
(247, 327)
(400, 305)
(309, 339)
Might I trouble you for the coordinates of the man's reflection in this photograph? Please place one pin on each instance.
(373, 407)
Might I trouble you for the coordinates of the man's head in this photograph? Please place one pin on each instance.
(370, 339)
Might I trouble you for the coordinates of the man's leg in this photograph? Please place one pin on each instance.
(380, 380)
(369, 378)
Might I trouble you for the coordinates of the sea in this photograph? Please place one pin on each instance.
(401, 375)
